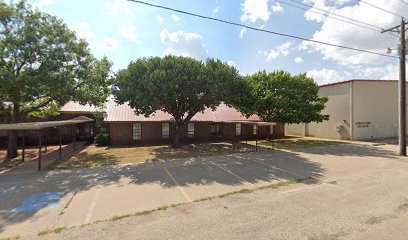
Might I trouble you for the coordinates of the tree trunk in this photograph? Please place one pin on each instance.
(176, 141)
(12, 145)
(12, 135)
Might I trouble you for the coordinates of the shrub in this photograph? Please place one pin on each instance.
(102, 139)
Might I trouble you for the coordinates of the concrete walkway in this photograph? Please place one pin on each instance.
(44, 200)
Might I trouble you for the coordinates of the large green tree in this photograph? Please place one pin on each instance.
(280, 97)
(180, 86)
(43, 65)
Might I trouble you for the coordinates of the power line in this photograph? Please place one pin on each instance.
(259, 29)
(380, 8)
(327, 15)
(404, 2)
(335, 14)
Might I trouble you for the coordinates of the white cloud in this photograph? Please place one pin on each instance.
(341, 2)
(387, 72)
(242, 32)
(299, 60)
(233, 64)
(215, 11)
(344, 34)
(283, 49)
(107, 43)
(277, 8)
(183, 43)
(160, 19)
(311, 15)
(129, 32)
(254, 10)
(41, 4)
(175, 18)
(82, 30)
(325, 76)
(272, 54)
(119, 8)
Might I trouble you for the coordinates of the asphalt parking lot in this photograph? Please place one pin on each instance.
(36, 201)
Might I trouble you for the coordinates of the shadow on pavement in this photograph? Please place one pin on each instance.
(23, 195)
(350, 149)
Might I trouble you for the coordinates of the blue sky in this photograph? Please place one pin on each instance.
(125, 31)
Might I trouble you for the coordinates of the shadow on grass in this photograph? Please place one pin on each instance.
(85, 160)
(30, 153)
(191, 150)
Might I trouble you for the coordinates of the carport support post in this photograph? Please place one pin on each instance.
(23, 145)
(45, 141)
(39, 150)
(60, 143)
(257, 133)
(74, 137)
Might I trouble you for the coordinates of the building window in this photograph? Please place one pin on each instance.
(216, 130)
(137, 131)
(238, 129)
(271, 129)
(165, 130)
(255, 129)
(190, 130)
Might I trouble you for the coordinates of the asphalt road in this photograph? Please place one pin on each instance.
(362, 194)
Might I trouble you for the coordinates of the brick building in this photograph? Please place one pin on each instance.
(127, 128)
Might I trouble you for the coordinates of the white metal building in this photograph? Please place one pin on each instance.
(358, 109)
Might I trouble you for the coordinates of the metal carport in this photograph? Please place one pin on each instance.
(39, 126)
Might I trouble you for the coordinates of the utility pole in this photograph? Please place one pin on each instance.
(401, 88)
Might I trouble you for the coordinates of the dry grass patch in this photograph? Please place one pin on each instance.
(94, 156)
(30, 154)
(295, 142)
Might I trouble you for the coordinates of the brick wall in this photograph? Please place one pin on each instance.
(279, 130)
(121, 133)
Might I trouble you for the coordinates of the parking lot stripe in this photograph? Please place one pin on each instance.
(275, 168)
(228, 171)
(188, 199)
(91, 208)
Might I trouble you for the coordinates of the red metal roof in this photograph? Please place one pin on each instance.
(123, 113)
(72, 107)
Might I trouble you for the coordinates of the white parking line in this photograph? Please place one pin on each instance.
(274, 168)
(233, 174)
(91, 208)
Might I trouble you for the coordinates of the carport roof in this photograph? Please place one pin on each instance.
(42, 125)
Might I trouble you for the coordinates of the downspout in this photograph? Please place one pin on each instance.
(351, 111)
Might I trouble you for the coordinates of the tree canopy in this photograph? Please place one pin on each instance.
(280, 97)
(180, 86)
(43, 64)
